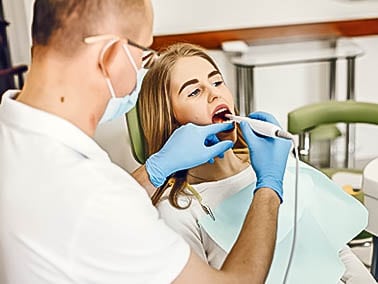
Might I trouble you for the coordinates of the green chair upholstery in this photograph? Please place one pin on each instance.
(326, 114)
(307, 118)
(323, 135)
(325, 132)
(136, 136)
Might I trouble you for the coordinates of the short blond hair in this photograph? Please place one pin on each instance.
(62, 24)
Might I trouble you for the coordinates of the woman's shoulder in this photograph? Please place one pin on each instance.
(183, 221)
(189, 209)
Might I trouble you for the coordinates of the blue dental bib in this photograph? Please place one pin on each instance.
(327, 218)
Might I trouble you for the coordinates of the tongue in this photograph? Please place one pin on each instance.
(220, 117)
(217, 119)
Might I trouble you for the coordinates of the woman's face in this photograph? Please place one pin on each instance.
(199, 94)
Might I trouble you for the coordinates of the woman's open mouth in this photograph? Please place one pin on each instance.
(219, 114)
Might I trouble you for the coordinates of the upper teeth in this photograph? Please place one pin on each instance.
(221, 110)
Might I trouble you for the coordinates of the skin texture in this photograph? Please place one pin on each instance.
(197, 91)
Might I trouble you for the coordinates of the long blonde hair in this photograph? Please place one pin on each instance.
(156, 112)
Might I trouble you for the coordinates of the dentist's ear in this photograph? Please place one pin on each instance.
(107, 56)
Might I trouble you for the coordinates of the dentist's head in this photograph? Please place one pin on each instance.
(90, 54)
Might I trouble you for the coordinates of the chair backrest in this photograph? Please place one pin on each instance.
(307, 117)
(136, 135)
(8, 75)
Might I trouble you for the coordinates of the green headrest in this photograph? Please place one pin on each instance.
(136, 135)
(307, 117)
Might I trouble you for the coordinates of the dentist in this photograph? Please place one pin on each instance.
(67, 213)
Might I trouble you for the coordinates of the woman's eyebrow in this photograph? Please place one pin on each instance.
(195, 81)
(213, 73)
(190, 82)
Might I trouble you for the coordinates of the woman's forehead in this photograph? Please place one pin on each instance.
(187, 68)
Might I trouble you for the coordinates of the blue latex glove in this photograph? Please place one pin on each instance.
(268, 155)
(189, 146)
(211, 140)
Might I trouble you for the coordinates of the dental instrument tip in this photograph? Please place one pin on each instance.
(208, 211)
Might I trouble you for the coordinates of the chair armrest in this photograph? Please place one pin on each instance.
(16, 70)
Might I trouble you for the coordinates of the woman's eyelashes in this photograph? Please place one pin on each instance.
(194, 93)
(218, 83)
(197, 91)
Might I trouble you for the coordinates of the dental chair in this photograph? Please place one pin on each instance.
(12, 78)
(326, 114)
(136, 136)
(305, 119)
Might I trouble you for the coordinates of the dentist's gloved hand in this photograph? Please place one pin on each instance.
(189, 146)
(212, 140)
(268, 155)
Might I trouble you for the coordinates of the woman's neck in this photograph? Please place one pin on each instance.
(227, 166)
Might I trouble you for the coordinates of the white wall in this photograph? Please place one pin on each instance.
(281, 89)
(174, 16)
(18, 13)
(278, 89)
(367, 90)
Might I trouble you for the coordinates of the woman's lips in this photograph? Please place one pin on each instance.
(219, 114)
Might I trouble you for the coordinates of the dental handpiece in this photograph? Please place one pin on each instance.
(262, 127)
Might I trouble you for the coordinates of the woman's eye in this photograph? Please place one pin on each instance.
(194, 93)
(217, 83)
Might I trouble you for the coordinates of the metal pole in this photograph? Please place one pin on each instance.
(304, 146)
(374, 263)
(249, 90)
(238, 89)
(332, 79)
(350, 135)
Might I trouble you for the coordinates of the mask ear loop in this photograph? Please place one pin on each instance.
(149, 59)
(101, 63)
(131, 59)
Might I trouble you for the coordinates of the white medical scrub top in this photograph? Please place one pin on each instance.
(68, 214)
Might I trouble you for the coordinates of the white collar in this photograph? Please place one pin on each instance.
(34, 120)
(239, 180)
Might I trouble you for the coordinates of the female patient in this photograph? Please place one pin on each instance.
(186, 86)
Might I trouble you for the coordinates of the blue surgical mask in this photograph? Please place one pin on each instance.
(119, 106)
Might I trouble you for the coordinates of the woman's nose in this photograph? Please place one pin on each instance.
(213, 94)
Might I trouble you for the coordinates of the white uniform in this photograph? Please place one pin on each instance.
(69, 215)
(186, 222)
